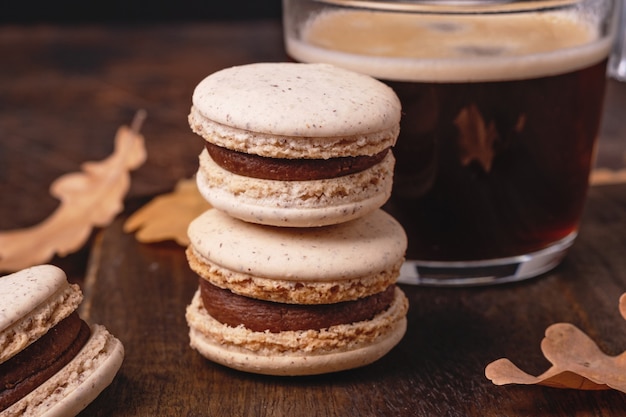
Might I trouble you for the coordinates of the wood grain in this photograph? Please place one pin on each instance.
(140, 292)
(64, 90)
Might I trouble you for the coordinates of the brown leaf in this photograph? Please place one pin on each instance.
(503, 372)
(167, 216)
(601, 176)
(89, 198)
(622, 305)
(476, 139)
(577, 362)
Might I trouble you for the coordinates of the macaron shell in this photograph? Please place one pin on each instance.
(354, 249)
(76, 385)
(292, 291)
(33, 301)
(23, 291)
(293, 147)
(297, 353)
(296, 203)
(291, 99)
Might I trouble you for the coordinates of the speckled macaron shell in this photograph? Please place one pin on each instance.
(33, 300)
(292, 291)
(295, 110)
(354, 249)
(296, 203)
(77, 384)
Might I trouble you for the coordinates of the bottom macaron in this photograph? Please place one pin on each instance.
(297, 352)
(296, 301)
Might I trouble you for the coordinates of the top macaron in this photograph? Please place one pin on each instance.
(324, 130)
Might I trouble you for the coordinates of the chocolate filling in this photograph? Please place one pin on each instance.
(259, 315)
(256, 166)
(38, 362)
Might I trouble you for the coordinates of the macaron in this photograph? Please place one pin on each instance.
(296, 301)
(297, 145)
(52, 363)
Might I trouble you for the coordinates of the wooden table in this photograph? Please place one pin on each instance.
(63, 93)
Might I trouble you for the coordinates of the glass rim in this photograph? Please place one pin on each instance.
(455, 6)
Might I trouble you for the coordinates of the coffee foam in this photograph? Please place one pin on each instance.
(458, 48)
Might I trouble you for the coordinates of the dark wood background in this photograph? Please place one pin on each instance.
(135, 11)
(64, 90)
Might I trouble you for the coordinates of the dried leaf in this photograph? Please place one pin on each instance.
(577, 362)
(601, 176)
(89, 198)
(167, 216)
(622, 305)
(476, 139)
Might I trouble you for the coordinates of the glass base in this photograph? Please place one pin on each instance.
(485, 272)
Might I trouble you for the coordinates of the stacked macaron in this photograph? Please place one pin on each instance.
(51, 361)
(297, 262)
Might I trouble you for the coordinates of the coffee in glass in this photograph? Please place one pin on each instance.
(501, 109)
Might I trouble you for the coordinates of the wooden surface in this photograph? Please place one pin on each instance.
(63, 93)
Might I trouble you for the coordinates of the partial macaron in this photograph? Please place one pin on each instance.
(298, 145)
(52, 363)
(296, 301)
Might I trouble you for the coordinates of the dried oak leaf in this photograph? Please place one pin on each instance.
(89, 198)
(577, 362)
(601, 176)
(167, 216)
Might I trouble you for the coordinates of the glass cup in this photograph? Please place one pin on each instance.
(617, 62)
(501, 105)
